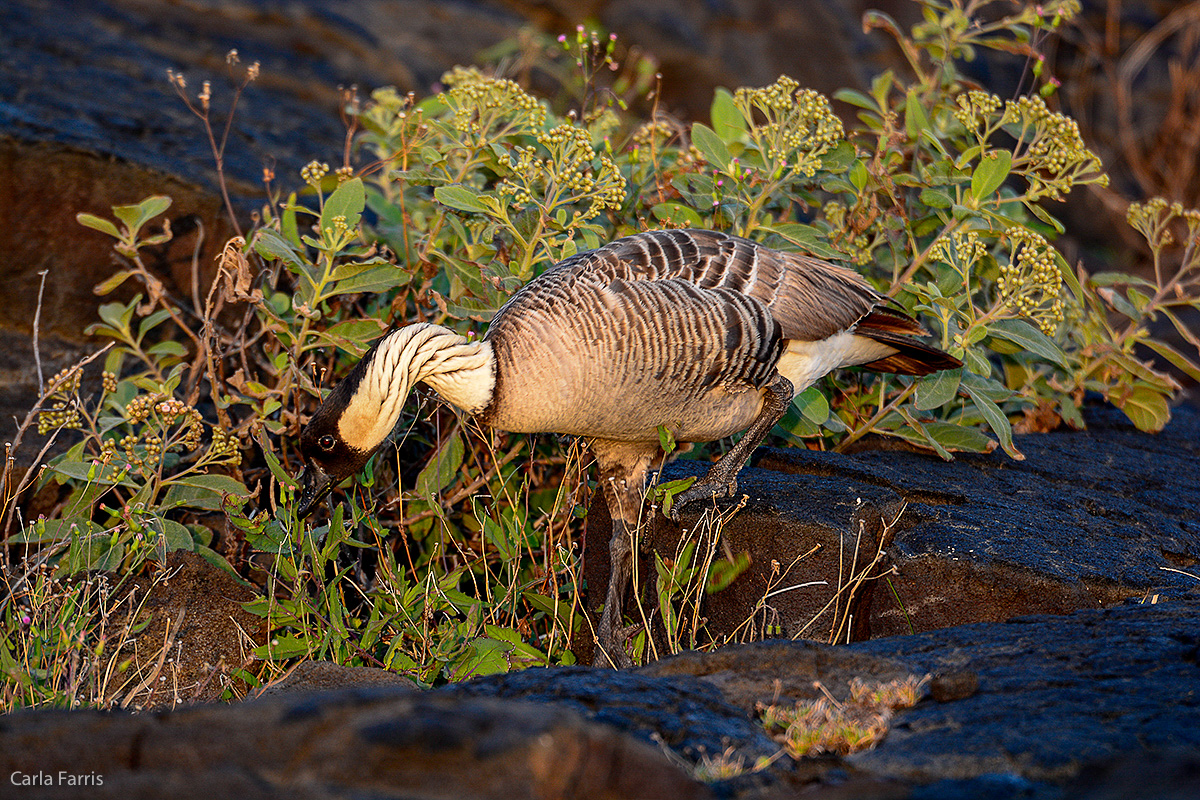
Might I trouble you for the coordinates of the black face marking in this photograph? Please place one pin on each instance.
(329, 460)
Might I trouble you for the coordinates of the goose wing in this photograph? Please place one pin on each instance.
(811, 299)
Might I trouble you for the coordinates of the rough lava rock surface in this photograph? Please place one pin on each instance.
(1054, 707)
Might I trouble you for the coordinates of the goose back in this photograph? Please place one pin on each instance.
(811, 299)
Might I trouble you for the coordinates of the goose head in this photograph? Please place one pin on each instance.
(341, 436)
(359, 414)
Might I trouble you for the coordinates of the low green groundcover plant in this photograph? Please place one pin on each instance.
(933, 189)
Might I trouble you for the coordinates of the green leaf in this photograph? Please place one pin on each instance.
(934, 391)
(88, 472)
(113, 281)
(99, 224)
(205, 491)
(169, 347)
(274, 465)
(946, 437)
(1119, 278)
(856, 98)
(460, 197)
(936, 198)
(557, 610)
(808, 238)
(666, 440)
(442, 468)
(499, 535)
(283, 647)
(710, 146)
(175, 536)
(1146, 407)
(915, 120)
(996, 421)
(812, 405)
(990, 174)
(273, 247)
(375, 279)
(858, 175)
(665, 493)
(288, 223)
(92, 552)
(347, 201)
(990, 388)
(352, 335)
(137, 215)
(914, 430)
(725, 571)
(728, 122)
(960, 438)
(483, 657)
(1029, 337)
(977, 363)
(677, 214)
(1045, 217)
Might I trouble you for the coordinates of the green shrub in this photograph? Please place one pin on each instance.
(935, 191)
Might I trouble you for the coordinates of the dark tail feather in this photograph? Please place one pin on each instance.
(897, 329)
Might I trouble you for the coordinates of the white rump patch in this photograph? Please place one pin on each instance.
(804, 363)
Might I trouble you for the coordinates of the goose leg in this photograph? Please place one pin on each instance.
(721, 479)
(622, 472)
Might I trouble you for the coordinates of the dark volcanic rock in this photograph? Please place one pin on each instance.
(363, 743)
(1059, 707)
(1055, 695)
(689, 716)
(1088, 519)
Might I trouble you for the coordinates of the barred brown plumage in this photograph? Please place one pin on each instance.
(702, 333)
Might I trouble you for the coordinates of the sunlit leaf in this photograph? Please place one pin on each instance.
(461, 198)
(442, 468)
(1148, 408)
(710, 146)
(347, 201)
(677, 214)
(99, 224)
(1029, 337)
(813, 405)
(993, 168)
(727, 120)
(995, 420)
(934, 391)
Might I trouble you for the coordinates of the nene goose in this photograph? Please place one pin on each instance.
(701, 332)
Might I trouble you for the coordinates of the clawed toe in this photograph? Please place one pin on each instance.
(611, 650)
(701, 490)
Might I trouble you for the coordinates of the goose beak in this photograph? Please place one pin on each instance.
(315, 483)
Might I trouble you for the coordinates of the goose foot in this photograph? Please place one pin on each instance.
(709, 487)
(721, 480)
(611, 650)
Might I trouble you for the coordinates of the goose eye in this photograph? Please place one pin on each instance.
(325, 442)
